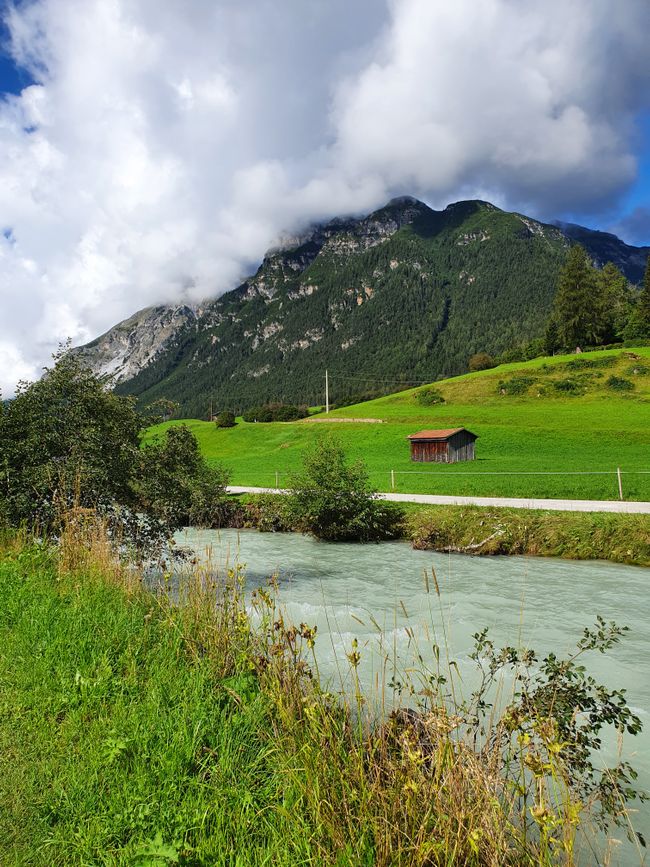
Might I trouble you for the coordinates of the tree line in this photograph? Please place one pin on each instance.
(596, 306)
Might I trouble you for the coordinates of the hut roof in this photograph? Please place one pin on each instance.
(443, 434)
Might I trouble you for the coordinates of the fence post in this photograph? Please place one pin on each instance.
(392, 480)
(277, 479)
(620, 484)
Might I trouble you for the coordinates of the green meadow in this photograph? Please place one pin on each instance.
(571, 419)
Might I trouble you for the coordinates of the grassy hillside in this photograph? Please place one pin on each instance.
(568, 414)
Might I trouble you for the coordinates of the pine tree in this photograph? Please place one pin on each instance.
(644, 301)
(612, 302)
(576, 310)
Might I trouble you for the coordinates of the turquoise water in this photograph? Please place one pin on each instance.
(534, 602)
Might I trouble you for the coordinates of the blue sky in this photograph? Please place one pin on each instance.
(167, 145)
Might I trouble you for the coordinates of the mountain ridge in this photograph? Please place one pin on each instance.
(403, 290)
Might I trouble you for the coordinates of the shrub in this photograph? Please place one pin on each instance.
(567, 386)
(638, 369)
(226, 418)
(332, 499)
(429, 396)
(275, 412)
(178, 487)
(619, 383)
(516, 385)
(581, 363)
(481, 361)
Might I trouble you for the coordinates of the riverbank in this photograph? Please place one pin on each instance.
(478, 530)
(136, 731)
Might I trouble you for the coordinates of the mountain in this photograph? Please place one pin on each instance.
(403, 295)
(604, 247)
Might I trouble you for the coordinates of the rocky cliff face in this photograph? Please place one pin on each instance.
(129, 347)
(405, 294)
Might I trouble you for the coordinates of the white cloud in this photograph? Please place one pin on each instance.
(165, 146)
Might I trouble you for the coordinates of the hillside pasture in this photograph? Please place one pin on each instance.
(573, 418)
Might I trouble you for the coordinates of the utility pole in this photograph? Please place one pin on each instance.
(327, 392)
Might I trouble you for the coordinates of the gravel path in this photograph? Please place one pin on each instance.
(630, 508)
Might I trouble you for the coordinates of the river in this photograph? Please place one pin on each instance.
(378, 595)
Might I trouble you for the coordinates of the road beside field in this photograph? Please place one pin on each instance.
(618, 506)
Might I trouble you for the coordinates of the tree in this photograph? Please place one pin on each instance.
(332, 499)
(481, 361)
(176, 486)
(160, 410)
(643, 305)
(576, 309)
(226, 418)
(67, 439)
(613, 301)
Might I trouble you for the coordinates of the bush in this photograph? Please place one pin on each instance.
(275, 412)
(619, 383)
(568, 386)
(581, 363)
(481, 361)
(178, 487)
(429, 396)
(225, 419)
(332, 499)
(516, 385)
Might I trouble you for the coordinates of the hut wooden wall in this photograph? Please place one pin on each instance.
(427, 452)
(461, 447)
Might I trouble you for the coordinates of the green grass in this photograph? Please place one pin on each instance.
(111, 737)
(595, 428)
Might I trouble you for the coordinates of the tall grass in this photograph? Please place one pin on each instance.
(183, 727)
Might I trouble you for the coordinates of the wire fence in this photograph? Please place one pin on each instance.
(392, 476)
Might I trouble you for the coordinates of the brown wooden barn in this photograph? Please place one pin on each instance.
(443, 446)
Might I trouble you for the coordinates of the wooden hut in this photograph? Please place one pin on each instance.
(443, 446)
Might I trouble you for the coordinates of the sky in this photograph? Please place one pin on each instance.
(151, 152)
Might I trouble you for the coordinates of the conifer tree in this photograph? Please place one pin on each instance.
(612, 302)
(644, 301)
(575, 309)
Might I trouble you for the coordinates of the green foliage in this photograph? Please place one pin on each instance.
(275, 412)
(568, 386)
(160, 410)
(643, 306)
(478, 530)
(522, 352)
(576, 310)
(559, 708)
(178, 487)
(514, 386)
(587, 362)
(226, 418)
(592, 306)
(429, 396)
(481, 361)
(67, 439)
(332, 499)
(619, 383)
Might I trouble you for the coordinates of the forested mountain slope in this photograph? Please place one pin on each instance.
(406, 294)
